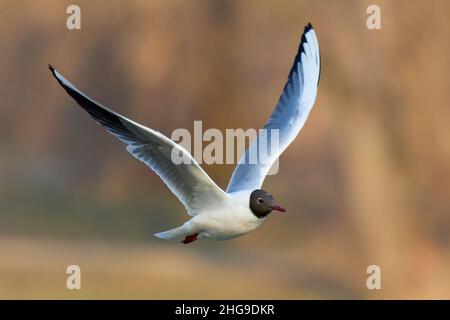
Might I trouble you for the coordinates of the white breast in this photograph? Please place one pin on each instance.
(231, 219)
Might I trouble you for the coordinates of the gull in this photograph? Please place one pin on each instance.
(217, 214)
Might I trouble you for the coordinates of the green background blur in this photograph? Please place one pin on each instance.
(366, 182)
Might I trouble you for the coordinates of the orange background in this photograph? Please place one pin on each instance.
(367, 181)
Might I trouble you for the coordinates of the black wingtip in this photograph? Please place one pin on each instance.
(52, 70)
(308, 28)
(57, 77)
(301, 48)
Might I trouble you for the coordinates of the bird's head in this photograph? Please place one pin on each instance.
(262, 203)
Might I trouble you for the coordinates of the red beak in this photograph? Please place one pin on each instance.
(277, 207)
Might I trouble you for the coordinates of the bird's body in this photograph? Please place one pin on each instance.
(217, 214)
(229, 219)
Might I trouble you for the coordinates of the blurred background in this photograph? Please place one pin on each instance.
(366, 182)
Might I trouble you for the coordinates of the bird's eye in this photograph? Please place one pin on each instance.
(260, 200)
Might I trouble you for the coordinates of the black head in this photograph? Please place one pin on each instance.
(262, 203)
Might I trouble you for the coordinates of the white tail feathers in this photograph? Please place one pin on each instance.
(172, 233)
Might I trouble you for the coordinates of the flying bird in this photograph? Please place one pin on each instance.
(244, 206)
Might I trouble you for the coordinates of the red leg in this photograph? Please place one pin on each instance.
(190, 238)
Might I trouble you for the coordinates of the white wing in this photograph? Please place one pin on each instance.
(193, 187)
(288, 118)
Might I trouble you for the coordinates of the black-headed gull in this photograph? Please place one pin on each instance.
(244, 206)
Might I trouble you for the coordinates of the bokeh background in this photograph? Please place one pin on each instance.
(367, 181)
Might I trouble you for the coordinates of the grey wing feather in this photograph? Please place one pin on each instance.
(187, 180)
(287, 119)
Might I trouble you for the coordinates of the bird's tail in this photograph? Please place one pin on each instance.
(173, 233)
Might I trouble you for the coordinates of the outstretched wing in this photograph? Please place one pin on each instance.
(287, 119)
(187, 180)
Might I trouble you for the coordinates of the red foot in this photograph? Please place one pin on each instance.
(190, 238)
